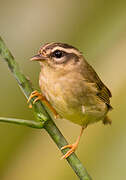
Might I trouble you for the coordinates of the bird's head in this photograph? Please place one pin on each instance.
(58, 56)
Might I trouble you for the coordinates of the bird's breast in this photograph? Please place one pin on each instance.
(61, 90)
(70, 97)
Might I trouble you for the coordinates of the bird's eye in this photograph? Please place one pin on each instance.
(58, 54)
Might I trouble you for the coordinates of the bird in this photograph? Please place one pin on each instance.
(71, 88)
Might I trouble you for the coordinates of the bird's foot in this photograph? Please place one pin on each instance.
(72, 147)
(39, 96)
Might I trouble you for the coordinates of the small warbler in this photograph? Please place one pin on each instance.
(71, 88)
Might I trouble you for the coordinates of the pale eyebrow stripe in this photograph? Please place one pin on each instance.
(68, 50)
(48, 44)
(43, 48)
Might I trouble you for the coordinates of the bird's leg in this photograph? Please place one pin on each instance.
(72, 147)
(39, 96)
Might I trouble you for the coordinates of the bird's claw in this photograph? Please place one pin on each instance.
(34, 94)
(72, 147)
(39, 96)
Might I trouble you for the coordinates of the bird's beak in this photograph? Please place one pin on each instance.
(38, 57)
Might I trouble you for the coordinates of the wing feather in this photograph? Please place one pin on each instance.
(102, 91)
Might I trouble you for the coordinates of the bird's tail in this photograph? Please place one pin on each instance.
(106, 120)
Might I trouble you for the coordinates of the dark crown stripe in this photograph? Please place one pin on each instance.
(66, 46)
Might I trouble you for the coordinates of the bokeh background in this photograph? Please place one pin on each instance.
(96, 27)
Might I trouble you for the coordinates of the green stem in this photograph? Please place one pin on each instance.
(60, 141)
(29, 123)
(41, 113)
(25, 85)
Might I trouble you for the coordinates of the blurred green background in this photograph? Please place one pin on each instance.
(98, 29)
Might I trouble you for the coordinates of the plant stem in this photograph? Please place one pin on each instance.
(29, 123)
(25, 85)
(60, 141)
(41, 113)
